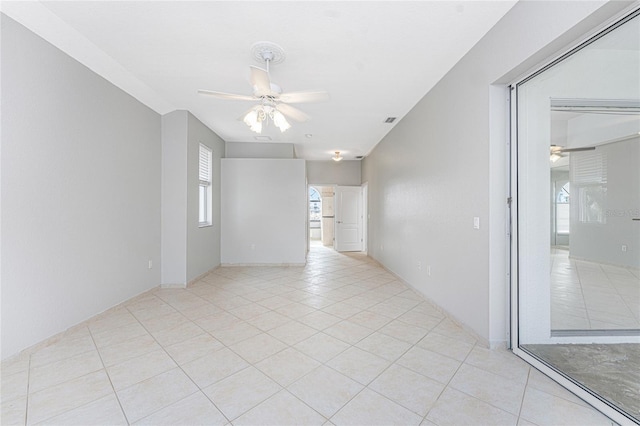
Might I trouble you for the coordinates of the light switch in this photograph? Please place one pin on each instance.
(476, 223)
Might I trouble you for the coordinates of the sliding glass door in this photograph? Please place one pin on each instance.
(576, 182)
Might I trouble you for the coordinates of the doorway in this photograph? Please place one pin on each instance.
(338, 217)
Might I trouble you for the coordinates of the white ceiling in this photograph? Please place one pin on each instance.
(376, 59)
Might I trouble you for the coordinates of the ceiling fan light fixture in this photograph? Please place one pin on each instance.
(253, 119)
(280, 122)
(257, 127)
(256, 116)
(337, 157)
(555, 157)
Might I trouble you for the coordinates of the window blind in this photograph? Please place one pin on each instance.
(205, 163)
(588, 173)
(588, 168)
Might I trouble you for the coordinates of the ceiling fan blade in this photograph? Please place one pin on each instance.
(293, 113)
(306, 96)
(587, 148)
(260, 81)
(223, 95)
(557, 149)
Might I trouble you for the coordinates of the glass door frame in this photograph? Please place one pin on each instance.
(558, 376)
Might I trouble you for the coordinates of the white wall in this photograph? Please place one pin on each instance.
(80, 192)
(188, 251)
(259, 150)
(264, 211)
(445, 163)
(345, 172)
(203, 244)
(174, 198)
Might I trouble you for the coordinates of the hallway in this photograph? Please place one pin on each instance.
(339, 341)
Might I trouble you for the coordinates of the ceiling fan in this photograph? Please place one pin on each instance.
(272, 103)
(558, 151)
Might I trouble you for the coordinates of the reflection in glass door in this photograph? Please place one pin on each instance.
(578, 204)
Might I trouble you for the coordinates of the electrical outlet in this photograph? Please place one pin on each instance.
(150, 264)
(419, 266)
(624, 247)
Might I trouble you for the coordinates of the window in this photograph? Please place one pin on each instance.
(562, 210)
(204, 191)
(315, 213)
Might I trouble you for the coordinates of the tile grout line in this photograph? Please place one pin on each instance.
(524, 393)
(26, 405)
(584, 300)
(126, 418)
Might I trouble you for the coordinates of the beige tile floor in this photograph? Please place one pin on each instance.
(340, 341)
(592, 296)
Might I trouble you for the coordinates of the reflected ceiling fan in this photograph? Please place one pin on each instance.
(558, 151)
(272, 103)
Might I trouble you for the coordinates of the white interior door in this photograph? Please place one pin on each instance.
(348, 211)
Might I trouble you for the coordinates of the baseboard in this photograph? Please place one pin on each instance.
(233, 265)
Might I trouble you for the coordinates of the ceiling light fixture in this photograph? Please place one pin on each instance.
(337, 157)
(555, 157)
(260, 113)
